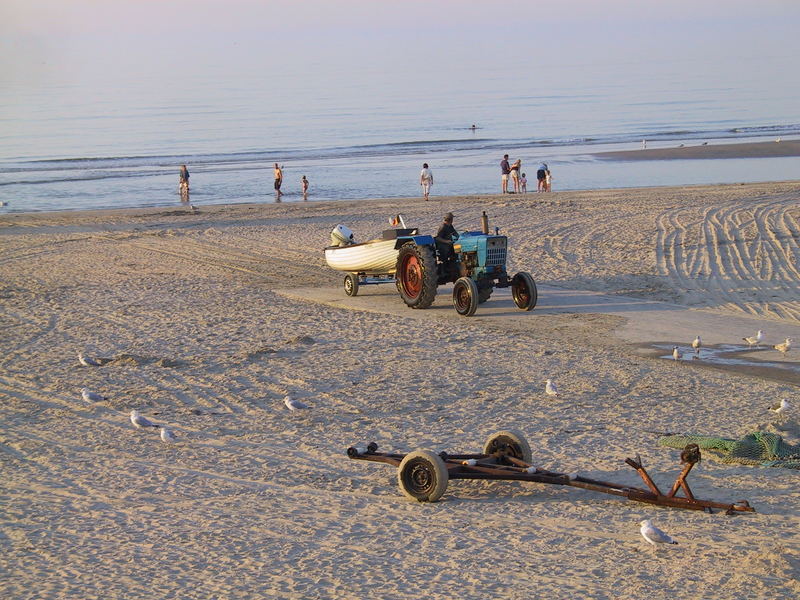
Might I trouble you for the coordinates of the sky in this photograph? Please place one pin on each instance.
(48, 38)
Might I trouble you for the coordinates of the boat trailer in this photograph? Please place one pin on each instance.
(423, 475)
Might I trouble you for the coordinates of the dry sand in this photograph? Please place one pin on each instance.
(256, 502)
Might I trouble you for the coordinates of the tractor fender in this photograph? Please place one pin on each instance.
(419, 240)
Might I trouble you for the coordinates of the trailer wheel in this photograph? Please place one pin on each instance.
(484, 294)
(351, 284)
(422, 476)
(523, 290)
(416, 275)
(511, 442)
(465, 296)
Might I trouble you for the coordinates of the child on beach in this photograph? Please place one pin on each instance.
(547, 179)
(523, 182)
(304, 184)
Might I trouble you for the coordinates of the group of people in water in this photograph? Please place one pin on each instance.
(183, 184)
(512, 171)
(519, 179)
(508, 170)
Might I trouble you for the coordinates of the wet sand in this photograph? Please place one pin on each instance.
(716, 150)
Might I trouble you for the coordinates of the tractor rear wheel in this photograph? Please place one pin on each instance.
(509, 442)
(523, 290)
(465, 296)
(416, 275)
(351, 284)
(422, 476)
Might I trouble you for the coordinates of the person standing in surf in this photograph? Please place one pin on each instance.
(426, 180)
(183, 185)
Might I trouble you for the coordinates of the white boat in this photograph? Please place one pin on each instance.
(375, 257)
(371, 258)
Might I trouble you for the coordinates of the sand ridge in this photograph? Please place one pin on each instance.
(256, 502)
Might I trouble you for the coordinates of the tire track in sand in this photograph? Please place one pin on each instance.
(746, 259)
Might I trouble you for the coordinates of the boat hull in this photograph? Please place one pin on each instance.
(378, 257)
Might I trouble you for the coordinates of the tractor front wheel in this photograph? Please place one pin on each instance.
(422, 476)
(465, 296)
(484, 294)
(416, 275)
(523, 290)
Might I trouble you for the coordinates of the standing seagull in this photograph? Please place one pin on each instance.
(755, 340)
(168, 436)
(550, 388)
(785, 346)
(782, 408)
(676, 355)
(294, 405)
(91, 396)
(139, 421)
(654, 535)
(87, 361)
(696, 344)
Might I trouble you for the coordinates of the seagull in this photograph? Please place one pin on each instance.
(781, 408)
(654, 535)
(294, 405)
(676, 355)
(89, 396)
(550, 388)
(785, 346)
(168, 436)
(755, 339)
(696, 344)
(3, 203)
(194, 208)
(139, 421)
(87, 361)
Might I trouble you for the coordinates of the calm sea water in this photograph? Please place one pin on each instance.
(100, 142)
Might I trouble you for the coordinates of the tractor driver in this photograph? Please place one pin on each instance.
(444, 239)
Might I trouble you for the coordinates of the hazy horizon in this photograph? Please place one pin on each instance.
(334, 88)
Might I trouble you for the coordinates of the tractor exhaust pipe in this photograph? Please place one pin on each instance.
(485, 223)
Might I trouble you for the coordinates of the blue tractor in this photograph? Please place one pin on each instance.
(418, 265)
(476, 265)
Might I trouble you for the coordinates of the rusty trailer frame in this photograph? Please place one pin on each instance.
(423, 475)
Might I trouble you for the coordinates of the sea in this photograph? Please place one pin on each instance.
(97, 142)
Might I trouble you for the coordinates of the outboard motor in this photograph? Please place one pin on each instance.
(342, 236)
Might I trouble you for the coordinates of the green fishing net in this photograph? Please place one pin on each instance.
(760, 448)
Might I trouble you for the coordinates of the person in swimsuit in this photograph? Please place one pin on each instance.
(183, 186)
(278, 173)
(304, 185)
(515, 168)
(541, 173)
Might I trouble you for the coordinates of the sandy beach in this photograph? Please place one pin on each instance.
(209, 319)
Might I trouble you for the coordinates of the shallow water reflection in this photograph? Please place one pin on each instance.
(730, 356)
